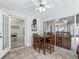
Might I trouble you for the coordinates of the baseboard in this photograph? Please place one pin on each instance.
(18, 48)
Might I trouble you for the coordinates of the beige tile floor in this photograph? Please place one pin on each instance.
(30, 53)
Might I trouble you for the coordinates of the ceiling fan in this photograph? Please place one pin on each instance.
(42, 5)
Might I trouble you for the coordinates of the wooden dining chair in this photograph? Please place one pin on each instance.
(37, 41)
(50, 42)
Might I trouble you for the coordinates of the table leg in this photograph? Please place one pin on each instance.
(44, 45)
(35, 44)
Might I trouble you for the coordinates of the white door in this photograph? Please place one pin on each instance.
(4, 34)
(0, 35)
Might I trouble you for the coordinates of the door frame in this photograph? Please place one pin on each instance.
(24, 18)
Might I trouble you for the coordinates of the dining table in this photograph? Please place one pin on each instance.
(43, 39)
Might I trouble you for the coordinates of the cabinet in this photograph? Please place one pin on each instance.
(63, 39)
(77, 18)
(58, 40)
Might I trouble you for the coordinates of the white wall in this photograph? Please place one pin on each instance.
(74, 43)
(29, 29)
(75, 40)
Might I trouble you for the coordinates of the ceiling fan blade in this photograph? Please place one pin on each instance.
(48, 6)
(44, 9)
(37, 8)
(41, 9)
(37, 4)
(44, 2)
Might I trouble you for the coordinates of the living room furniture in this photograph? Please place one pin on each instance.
(63, 39)
(37, 41)
(45, 42)
(58, 40)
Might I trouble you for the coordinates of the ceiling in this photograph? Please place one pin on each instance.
(27, 7)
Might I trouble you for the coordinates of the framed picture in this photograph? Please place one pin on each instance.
(34, 25)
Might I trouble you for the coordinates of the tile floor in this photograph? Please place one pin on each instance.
(30, 53)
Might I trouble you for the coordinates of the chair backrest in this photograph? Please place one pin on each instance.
(51, 37)
(34, 36)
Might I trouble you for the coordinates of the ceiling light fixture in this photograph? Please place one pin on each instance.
(42, 5)
(41, 8)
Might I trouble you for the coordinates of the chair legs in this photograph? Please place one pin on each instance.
(44, 51)
(34, 45)
(39, 46)
(45, 47)
(50, 47)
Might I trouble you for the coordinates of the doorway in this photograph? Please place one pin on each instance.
(17, 32)
(63, 30)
